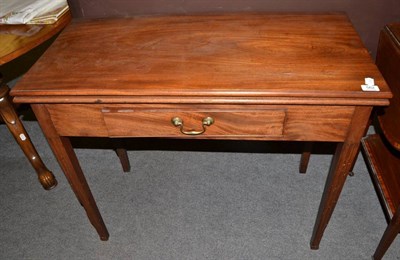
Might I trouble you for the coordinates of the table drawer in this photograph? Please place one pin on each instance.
(258, 122)
(170, 123)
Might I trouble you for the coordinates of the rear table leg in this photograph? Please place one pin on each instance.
(305, 157)
(124, 159)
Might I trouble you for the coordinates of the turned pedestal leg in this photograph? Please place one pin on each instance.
(16, 128)
(68, 161)
(342, 162)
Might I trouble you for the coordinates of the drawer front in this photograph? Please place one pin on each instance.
(258, 122)
(166, 123)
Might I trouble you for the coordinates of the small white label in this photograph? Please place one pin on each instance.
(370, 88)
(369, 81)
(369, 85)
(23, 137)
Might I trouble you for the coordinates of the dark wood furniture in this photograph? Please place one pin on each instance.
(378, 12)
(239, 76)
(382, 151)
(14, 124)
(15, 41)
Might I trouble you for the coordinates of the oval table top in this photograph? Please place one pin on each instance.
(16, 40)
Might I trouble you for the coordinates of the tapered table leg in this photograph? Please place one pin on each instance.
(68, 161)
(342, 162)
(14, 124)
(305, 157)
(124, 159)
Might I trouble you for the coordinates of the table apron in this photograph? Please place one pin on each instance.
(258, 122)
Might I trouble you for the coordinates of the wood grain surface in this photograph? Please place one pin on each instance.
(16, 40)
(388, 62)
(275, 77)
(236, 55)
(384, 164)
(300, 123)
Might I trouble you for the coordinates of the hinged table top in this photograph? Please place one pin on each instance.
(301, 56)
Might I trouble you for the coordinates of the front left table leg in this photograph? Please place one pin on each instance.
(68, 161)
(14, 124)
(343, 161)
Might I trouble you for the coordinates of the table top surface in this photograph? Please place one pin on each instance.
(232, 55)
(16, 40)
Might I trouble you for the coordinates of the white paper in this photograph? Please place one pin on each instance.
(22, 11)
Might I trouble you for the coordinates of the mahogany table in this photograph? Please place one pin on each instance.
(283, 77)
(15, 41)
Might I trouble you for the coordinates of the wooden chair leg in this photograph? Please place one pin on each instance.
(390, 234)
(14, 124)
(305, 157)
(123, 157)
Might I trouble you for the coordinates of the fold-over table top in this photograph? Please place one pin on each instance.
(265, 56)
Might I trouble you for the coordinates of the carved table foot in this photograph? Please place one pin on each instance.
(10, 117)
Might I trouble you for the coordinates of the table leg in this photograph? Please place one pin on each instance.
(14, 124)
(305, 157)
(342, 162)
(124, 159)
(68, 161)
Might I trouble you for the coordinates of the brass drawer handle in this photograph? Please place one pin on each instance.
(178, 122)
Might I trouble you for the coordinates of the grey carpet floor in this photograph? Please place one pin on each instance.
(185, 204)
